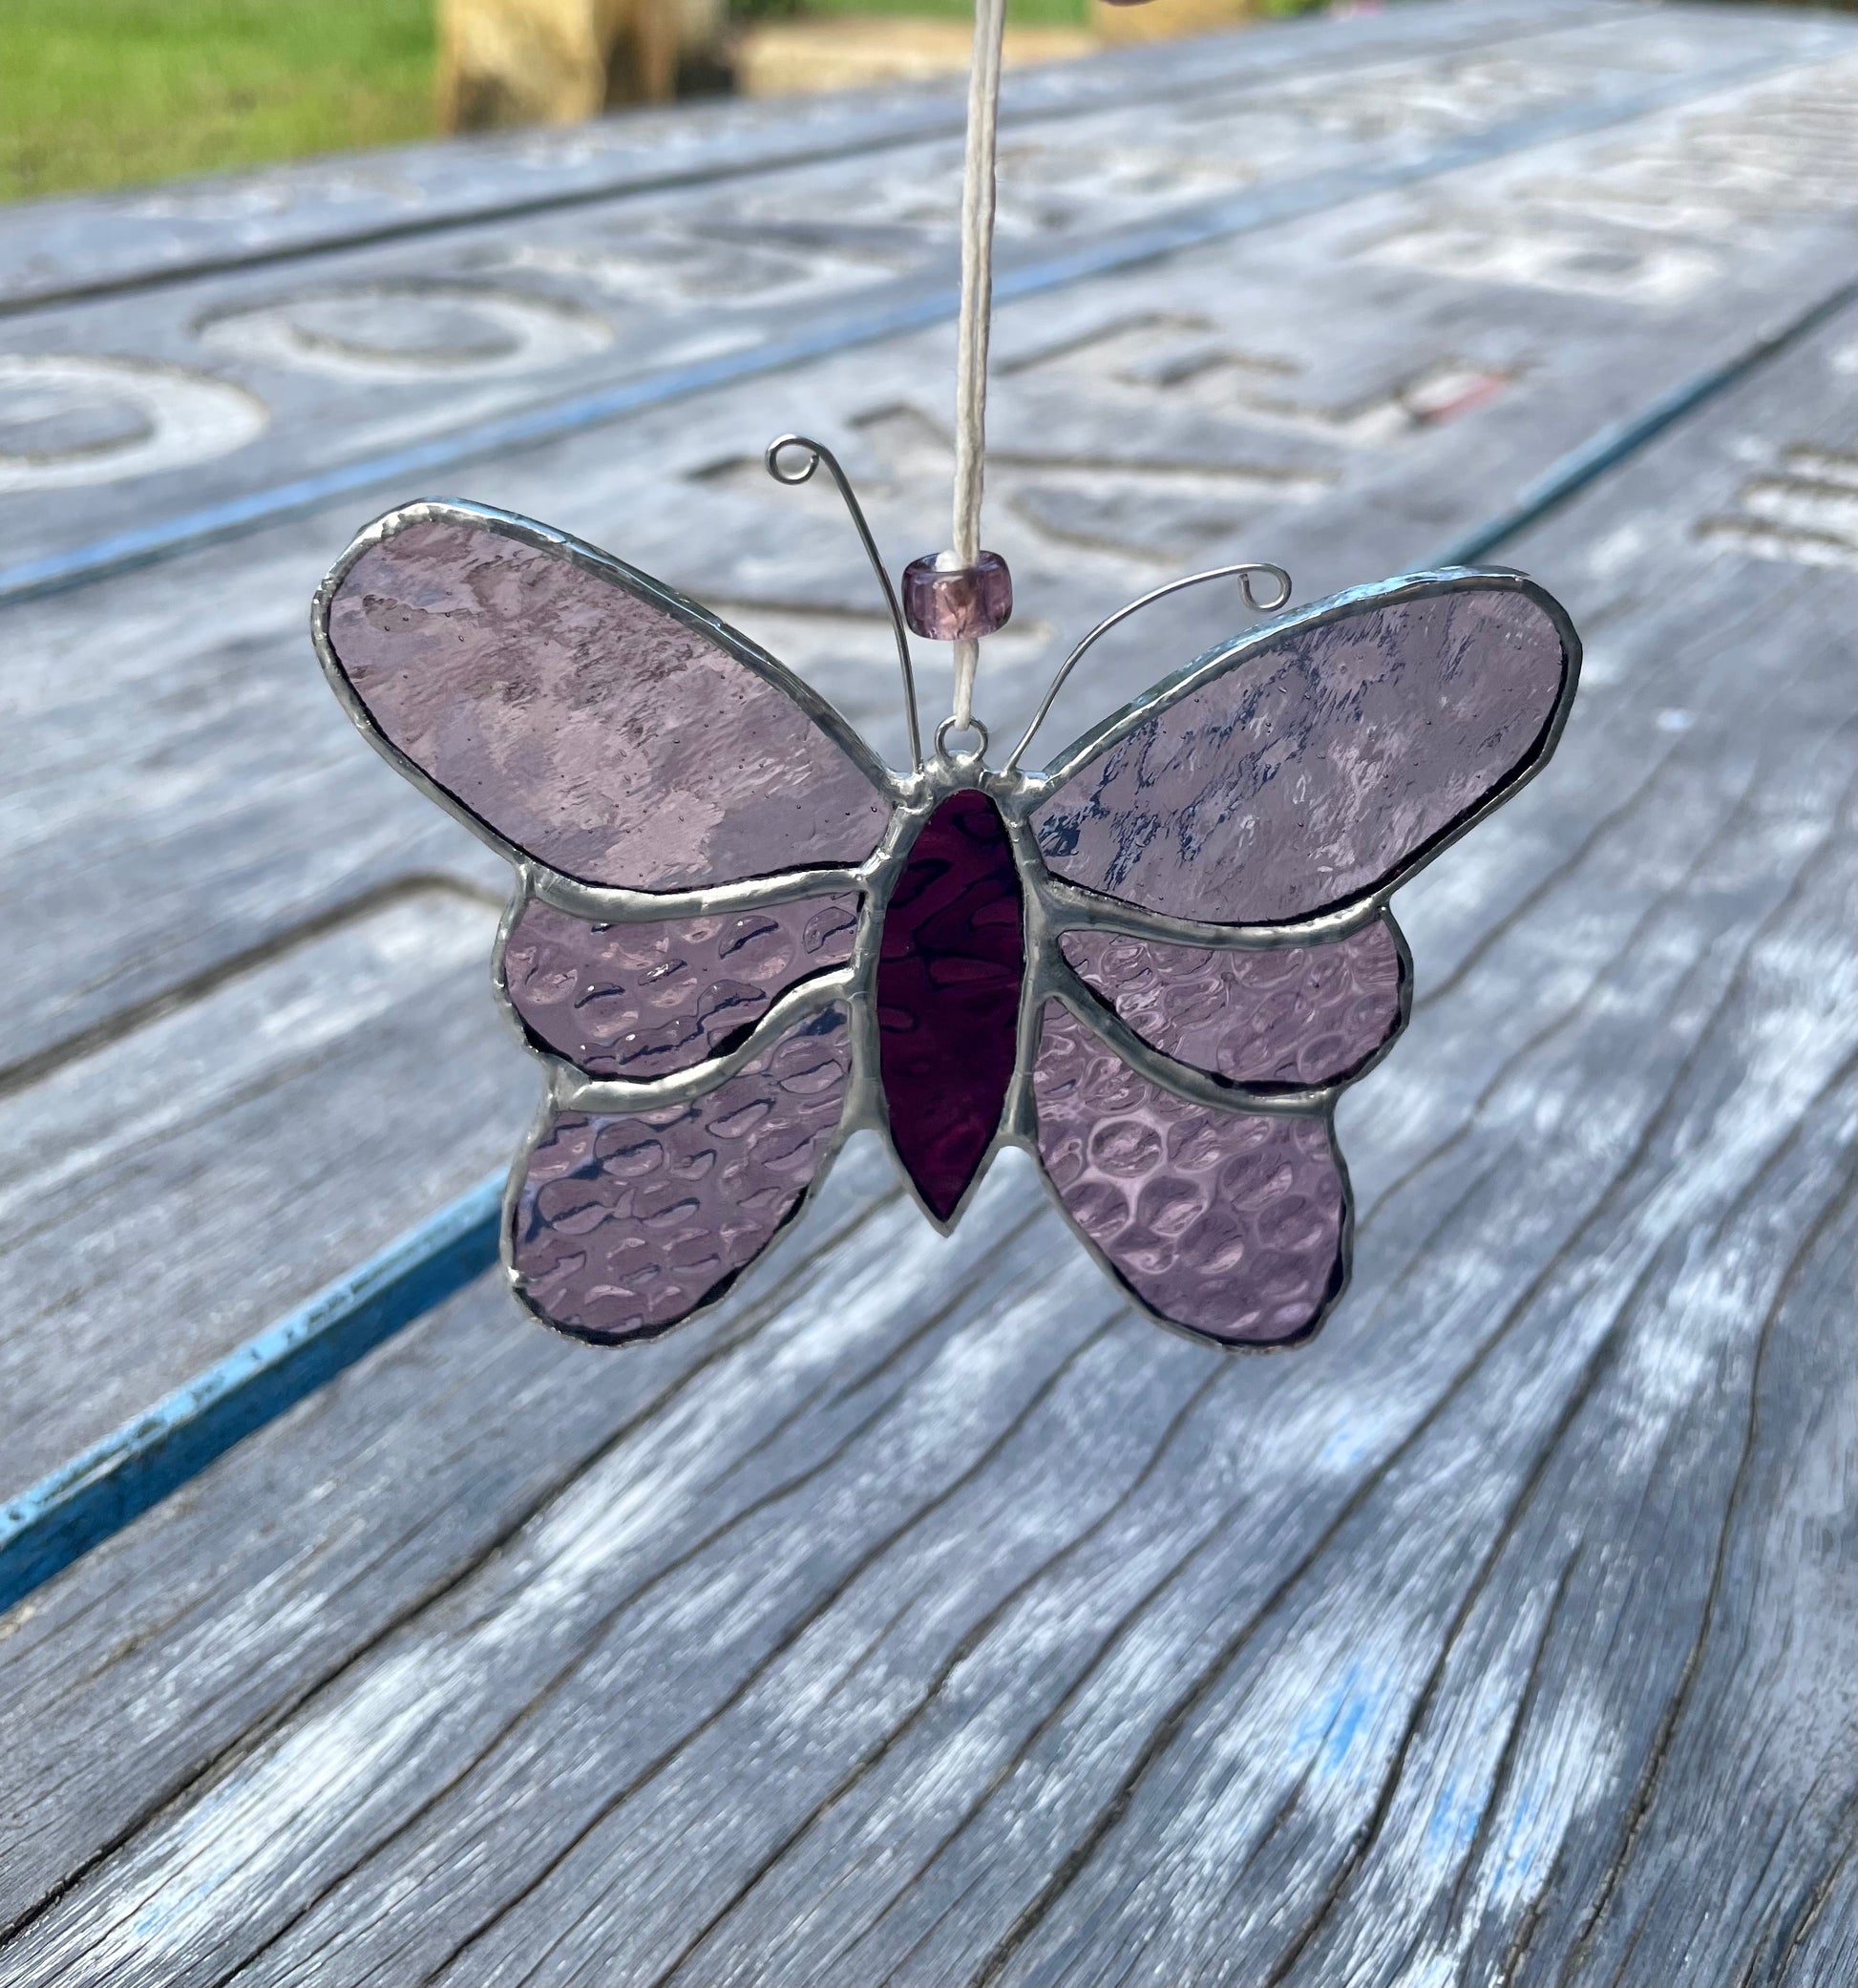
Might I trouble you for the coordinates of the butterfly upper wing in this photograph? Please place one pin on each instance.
(574, 711)
(578, 714)
(1304, 771)
(1319, 763)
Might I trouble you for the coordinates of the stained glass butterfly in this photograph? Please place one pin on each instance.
(737, 936)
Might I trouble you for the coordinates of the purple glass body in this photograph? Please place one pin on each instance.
(949, 971)
(739, 937)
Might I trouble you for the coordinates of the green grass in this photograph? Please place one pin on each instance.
(117, 93)
(114, 92)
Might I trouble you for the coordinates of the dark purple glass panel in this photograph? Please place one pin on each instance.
(642, 1001)
(948, 995)
(587, 726)
(1232, 1223)
(1320, 769)
(626, 1224)
(1282, 1014)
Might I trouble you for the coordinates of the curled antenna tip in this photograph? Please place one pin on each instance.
(771, 459)
(1246, 572)
(812, 454)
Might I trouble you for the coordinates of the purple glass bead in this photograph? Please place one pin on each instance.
(948, 996)
(955, 603)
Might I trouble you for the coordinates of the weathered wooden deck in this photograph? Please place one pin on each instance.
(922, 1618)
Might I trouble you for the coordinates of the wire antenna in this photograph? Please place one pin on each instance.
(818, 453)
(1244, 573)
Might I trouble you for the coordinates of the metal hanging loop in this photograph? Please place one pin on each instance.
(952, 724)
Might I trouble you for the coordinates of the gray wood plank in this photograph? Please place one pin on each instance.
(123, 885)
(52, 248)
(183, 795)
(215, 1670)
(943, 1625)
(165, 1196)
(216, 391)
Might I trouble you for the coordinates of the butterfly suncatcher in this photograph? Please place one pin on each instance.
(737, 936)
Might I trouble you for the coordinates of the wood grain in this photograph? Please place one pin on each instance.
(922, 1618)
(377, 348)
(53, 250)
(171, 1191)
(955, 1629)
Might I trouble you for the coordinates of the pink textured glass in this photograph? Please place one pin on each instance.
(1320, 769)
(1231, 1223)
(588, 725)
(623, 1225)
(948, 994)
(952, 603)
(1288, 1015)
(642, 1001)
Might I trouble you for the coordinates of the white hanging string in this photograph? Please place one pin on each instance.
(977, 314)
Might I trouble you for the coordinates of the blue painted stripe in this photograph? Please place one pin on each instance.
(1219, 221)
(135, 1466)
(1568, 477)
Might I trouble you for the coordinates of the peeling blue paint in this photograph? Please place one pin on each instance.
(103, 1488)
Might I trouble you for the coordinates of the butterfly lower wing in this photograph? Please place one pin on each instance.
(1230, 1221)
(1234, 1225)
(571, 709)
(620, 1224)
(717, 1061)
(1277, 1018)
(1310, 769)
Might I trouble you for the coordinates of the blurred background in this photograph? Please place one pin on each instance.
(117, 93)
